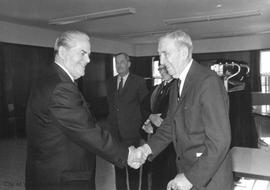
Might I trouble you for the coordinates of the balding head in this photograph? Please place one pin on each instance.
(72, 51)
(69, 39)
(182, 39)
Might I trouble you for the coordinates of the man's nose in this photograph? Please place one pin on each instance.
(162, 60)
(87, 58)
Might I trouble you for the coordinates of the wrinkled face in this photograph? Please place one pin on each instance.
(77, 57)
(122, 65)
(172, 56)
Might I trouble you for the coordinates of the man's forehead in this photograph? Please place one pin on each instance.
(121, 57)
(166, 44)
(83, 45)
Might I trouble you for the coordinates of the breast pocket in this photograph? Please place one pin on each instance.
(193, 119)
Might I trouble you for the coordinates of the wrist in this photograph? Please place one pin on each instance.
(147, 149)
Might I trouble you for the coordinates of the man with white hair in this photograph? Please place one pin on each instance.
(197, 121)
(61, 132)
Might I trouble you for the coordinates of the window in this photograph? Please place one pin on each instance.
(114, 67)
(155, 73)
(265, 70)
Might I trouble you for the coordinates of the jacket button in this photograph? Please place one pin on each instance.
(178, 157)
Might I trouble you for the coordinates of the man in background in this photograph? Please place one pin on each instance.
(62, 136)
(125, 94)
(163, 168)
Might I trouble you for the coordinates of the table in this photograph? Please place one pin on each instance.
(251, 162)
(263, 110)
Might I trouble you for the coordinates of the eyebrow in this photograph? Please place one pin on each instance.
(85, 52)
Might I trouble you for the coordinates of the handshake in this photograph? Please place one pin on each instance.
(138, 156)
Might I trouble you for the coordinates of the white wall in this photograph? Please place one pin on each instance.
(22, 34)
(216, 45)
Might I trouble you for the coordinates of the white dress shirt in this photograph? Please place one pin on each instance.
(183, 76)
(124, 80)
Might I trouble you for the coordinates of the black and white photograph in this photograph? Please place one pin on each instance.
(134, 95)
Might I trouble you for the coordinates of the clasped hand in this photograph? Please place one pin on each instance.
(137, 156)
(153, 118)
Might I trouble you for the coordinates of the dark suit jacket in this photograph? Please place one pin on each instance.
(199, 123)
(126, 109)
(160, 98)
(62, 134)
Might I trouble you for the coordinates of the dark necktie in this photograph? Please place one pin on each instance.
(178, 89)
(162, 86)
(120, 87)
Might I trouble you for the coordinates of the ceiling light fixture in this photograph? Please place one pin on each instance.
(93, 16)
(232, 34)
(213, 17)
(141, 34)
(219, 5)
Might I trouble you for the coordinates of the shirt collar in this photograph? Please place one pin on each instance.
(124, 77)
(65, 71)
(183, 75)
(167, 81)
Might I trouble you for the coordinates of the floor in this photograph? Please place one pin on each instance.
(12, 163)
(13, 156)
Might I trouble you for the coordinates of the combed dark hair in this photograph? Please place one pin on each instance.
(123, 53)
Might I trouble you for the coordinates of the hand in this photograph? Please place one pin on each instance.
(135, 157)
(147, 127)
(156, 119)
(180, 182)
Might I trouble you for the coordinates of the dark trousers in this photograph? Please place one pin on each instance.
(163, 168)
(134, 175)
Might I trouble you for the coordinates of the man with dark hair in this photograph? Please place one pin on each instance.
(125, 94)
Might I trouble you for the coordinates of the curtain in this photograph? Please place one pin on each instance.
(3, 102)
(255, 71)
(20, 66)
(142, 66)
(93, 83)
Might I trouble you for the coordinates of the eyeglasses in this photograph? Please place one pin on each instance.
(161, 68)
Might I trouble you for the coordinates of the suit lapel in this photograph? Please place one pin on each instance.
(187, 85)
(65, 78)
(62, 74)
(173, 97)
(114, 84)
(188, 80)
(85, 105)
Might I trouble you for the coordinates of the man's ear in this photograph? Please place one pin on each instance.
(129, 63)
(184, 52)
(62, 52)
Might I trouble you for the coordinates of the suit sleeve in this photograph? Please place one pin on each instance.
(215, 118)
(66, 107)
(162, 138)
